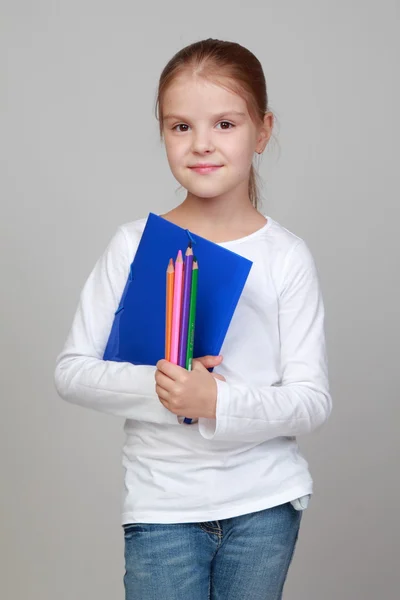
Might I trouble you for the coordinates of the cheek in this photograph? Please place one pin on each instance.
(174, 152)
(241, 160)
(171, 156)
(241, 150)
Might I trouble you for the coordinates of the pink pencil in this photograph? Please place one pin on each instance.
(176, 311)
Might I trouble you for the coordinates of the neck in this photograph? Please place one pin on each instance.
(219, 219)
(225, 210)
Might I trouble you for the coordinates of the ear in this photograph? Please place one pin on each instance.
(265, 132)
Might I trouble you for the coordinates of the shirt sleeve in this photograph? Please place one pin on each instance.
(300, 402)
(81, 375)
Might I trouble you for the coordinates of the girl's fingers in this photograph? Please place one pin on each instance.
(163, 381)
(217, 376)
(162, 393)
(209, 361)
(172, 371)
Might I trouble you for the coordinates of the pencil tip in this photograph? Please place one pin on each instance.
(190, 244)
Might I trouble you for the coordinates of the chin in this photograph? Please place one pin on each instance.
(207, 190)
(206, 195)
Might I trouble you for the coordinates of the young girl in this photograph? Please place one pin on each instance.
(212, 509)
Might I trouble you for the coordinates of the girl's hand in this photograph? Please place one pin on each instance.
(189, 393)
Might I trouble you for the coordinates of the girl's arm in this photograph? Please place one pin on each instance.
(81, 375)
(301, 401)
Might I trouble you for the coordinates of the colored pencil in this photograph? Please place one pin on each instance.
(169, 307)
(191, 326)
(185, 306)
(192, 315)
(176, 311)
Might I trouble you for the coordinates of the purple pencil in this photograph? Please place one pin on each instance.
(187, 286)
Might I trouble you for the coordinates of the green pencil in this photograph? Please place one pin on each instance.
(192, 315)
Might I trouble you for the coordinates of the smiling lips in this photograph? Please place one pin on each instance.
(205, 168)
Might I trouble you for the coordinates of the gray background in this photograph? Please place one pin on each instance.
(80, 155)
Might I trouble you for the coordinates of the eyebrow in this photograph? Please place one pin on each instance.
(216, 117)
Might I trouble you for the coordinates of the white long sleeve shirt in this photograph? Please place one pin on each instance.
(276, 388)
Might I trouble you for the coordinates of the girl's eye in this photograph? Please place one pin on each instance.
(180, 125)
(226, 123)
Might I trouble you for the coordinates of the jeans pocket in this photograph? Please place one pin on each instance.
(131, 528)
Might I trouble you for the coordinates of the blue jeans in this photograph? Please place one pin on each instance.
(241, 558)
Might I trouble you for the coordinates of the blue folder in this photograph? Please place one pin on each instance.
(138, 330)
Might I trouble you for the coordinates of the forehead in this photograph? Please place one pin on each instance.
(194, 94)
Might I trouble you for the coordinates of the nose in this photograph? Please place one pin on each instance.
(202, 142)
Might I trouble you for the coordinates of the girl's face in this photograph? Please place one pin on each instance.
(208, 125)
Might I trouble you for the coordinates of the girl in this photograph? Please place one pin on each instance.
(212, 509)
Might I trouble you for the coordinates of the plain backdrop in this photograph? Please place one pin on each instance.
(80, 154)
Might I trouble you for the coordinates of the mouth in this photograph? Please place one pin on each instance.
(205, 168)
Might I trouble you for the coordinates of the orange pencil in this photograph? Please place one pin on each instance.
(169, 307)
